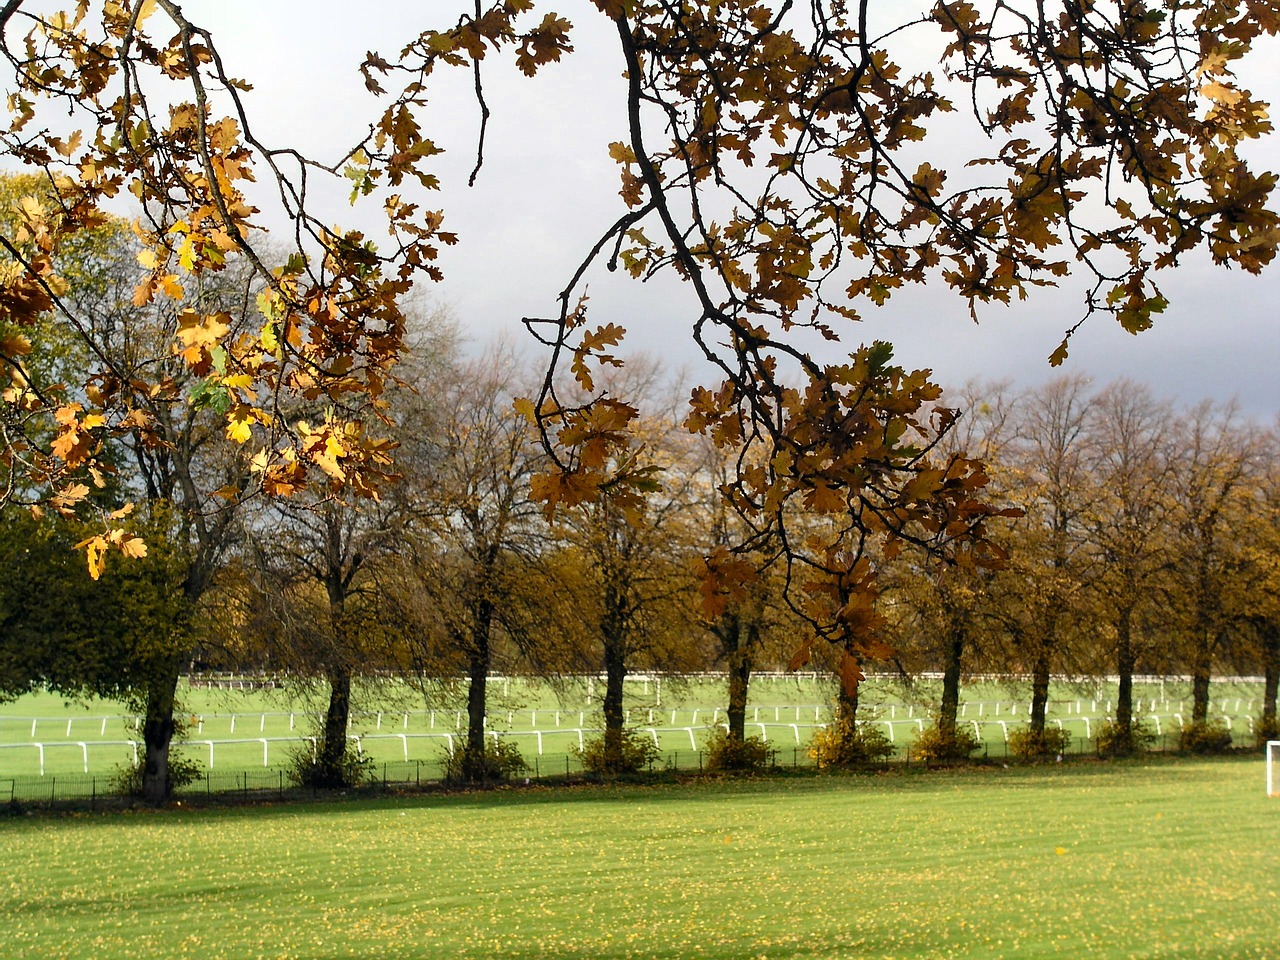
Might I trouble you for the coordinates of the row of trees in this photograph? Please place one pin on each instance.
(1141, 538)
(792, 164)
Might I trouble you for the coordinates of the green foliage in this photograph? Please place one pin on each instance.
(499, 760)
(749, 754)
(845, 746)
(1115, 741)
(1205, 737)
(1026, 744)
(80, 637)
(934, 746)
(636, 752)
(309, 768)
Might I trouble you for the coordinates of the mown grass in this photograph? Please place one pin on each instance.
(1155, 858)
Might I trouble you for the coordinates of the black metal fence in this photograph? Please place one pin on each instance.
(105, 791)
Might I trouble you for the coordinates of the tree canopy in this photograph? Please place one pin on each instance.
(794, 164)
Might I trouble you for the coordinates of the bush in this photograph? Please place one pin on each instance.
(1205, 736)
(1026, 744)
(845, 746)
(1114, 741)
(747, 755)
(1264, 730)
(307, 770)
(638, 752)
(497, 761)
(183, 771)
(933, 746)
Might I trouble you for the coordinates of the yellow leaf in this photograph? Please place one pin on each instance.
(267, 337)
(240, 424)
(132, 546)
(95, 552)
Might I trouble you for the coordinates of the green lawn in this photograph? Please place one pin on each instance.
(1156, 859)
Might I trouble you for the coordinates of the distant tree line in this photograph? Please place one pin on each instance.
(1146, 542)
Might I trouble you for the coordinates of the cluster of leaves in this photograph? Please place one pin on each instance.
(630, 752)
(1027, 743)
(844, 745)
(934, 745)
(183, 771)
(792, 182)
(330, 322)
(499, 761)
(747, 755)
(790, 166)
(1115, 740)
(1264, 730)
(309, 768)
(1205, 736)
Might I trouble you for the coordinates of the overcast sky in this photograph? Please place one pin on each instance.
(548, 190)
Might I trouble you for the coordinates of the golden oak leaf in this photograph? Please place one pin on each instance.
(95, 549)
(132, 546)
(850, 674)
(801, 656)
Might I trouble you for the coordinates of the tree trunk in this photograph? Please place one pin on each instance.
(1039, 691)
(333, 740)
(739, 681)
(474, 767)
(847, 707)
(1123, 743)
(157, 735)
(1200, 675)
(738, 662)
(953, 653)
(615, 668)
(1271, 672)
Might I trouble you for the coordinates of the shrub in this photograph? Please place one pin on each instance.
(1114, 741)
(1264, 730)
(1205, 736)
(182, 772)
(844, 746)
(1026, 744)
(933, 746)
(498, 760)
(748, 754)
(637, 752)
(306, 769)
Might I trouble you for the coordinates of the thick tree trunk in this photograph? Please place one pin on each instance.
(953, 654)
(1200, 676)
(474, 767)
(737, 657)
(615, 668)
(333, 739)
(1271, 672)
(739, 682)
(1039, 691)
(1124, 669)
(157, 735)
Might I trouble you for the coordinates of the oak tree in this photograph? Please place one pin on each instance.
(795, 164)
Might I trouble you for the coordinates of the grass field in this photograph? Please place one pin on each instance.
(1157, 859)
